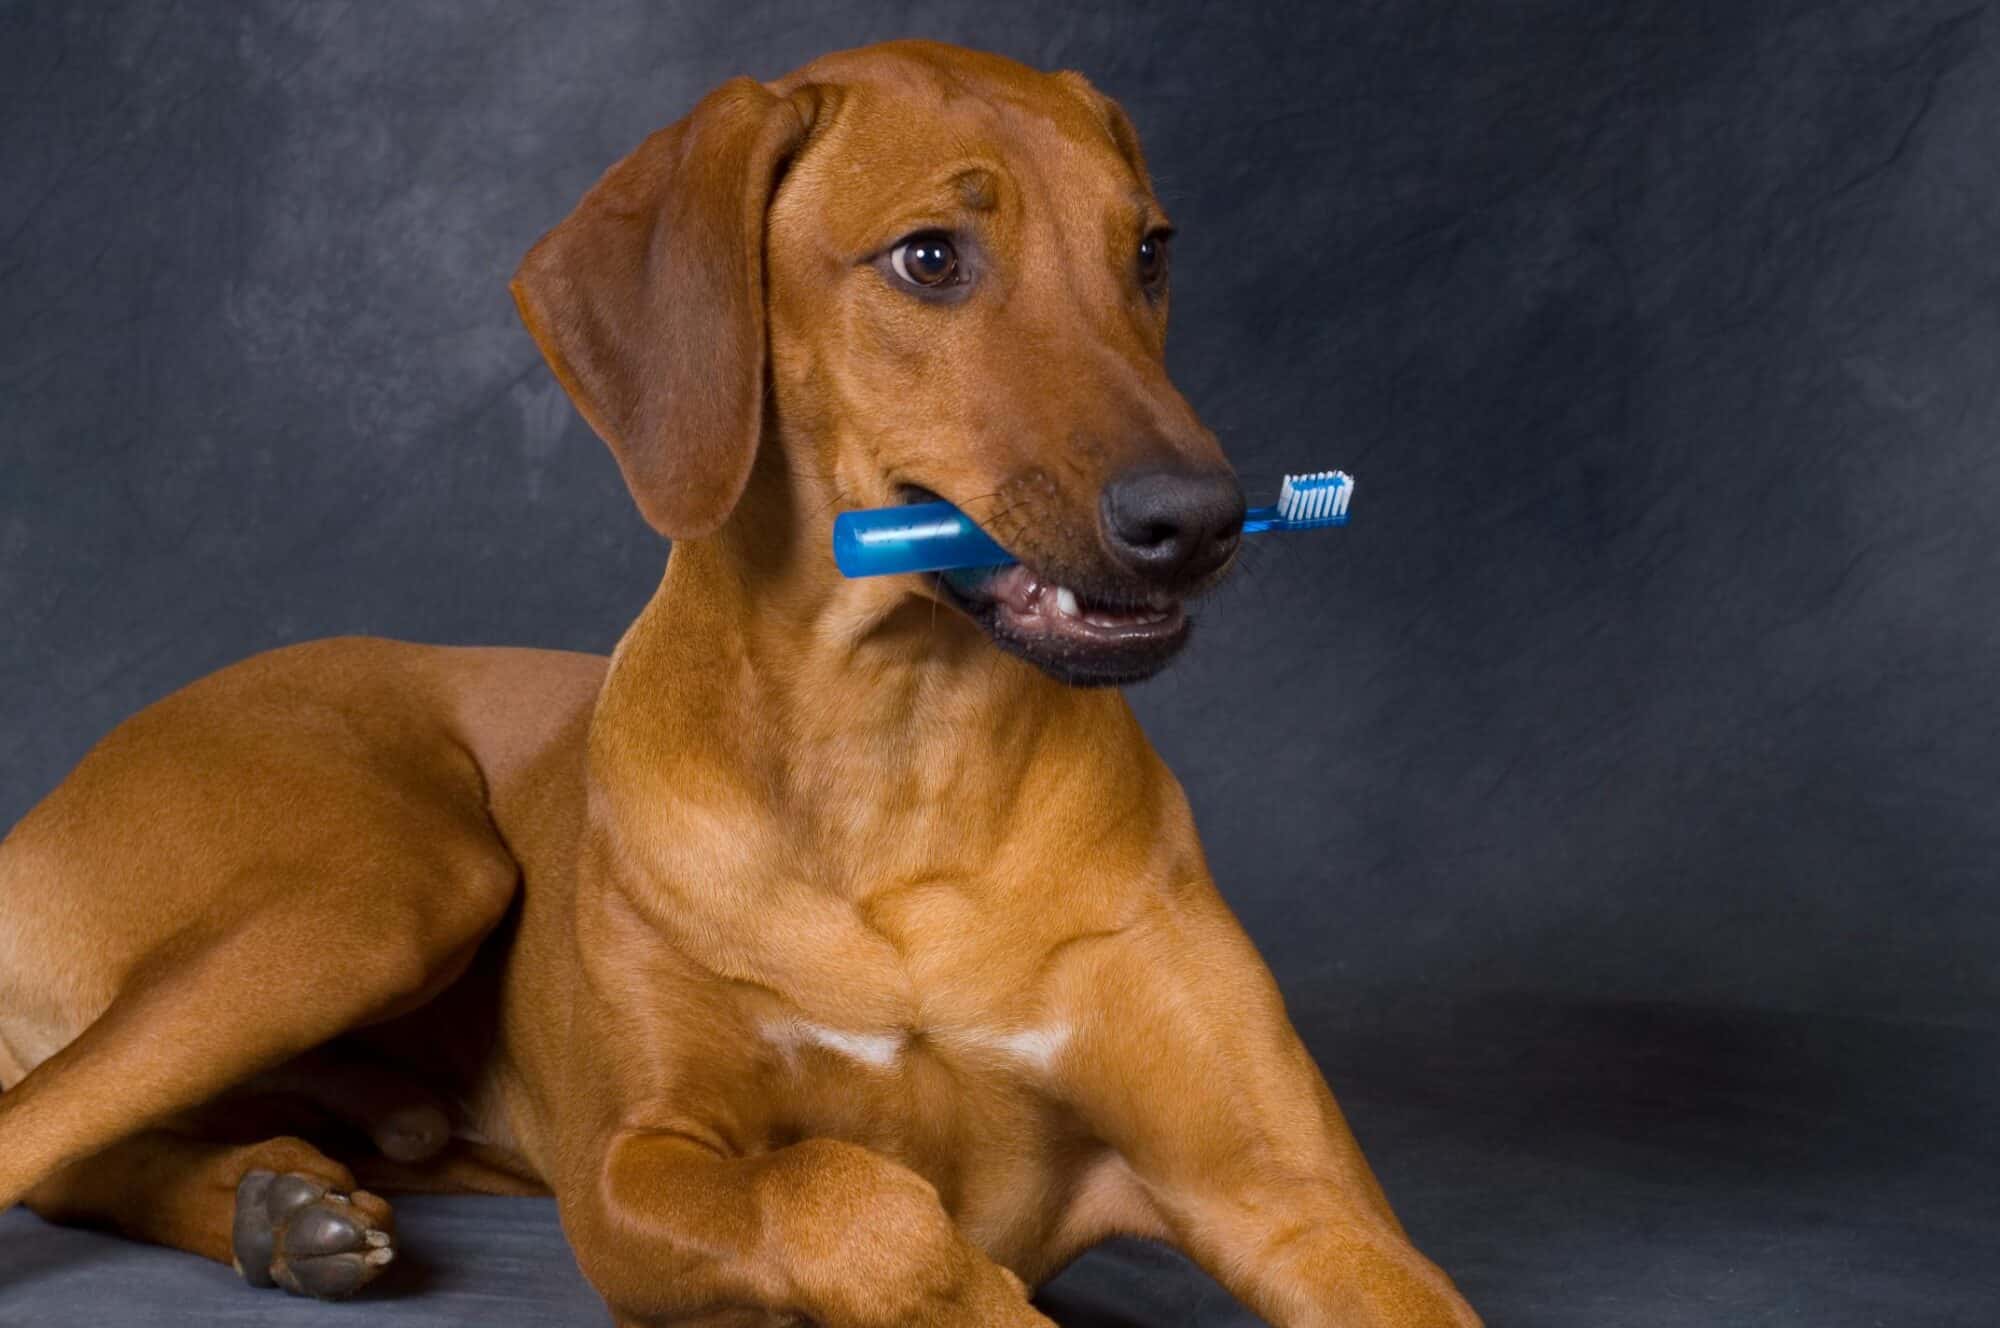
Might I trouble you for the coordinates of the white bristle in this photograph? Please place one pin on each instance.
(1319, 496)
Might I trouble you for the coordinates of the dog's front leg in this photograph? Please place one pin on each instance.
(1187, 1065)
(670, 1231)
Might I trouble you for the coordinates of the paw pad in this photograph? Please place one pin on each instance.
(293, 1232)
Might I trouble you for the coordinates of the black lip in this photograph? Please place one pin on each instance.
(1074, 663)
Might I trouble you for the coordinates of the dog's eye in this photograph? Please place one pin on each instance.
(1153, 259)
(925, 260)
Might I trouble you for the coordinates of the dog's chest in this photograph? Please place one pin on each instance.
(944, 992)
(972, 1107)
(927, 971)
(1031, 1049)
(961, 1071)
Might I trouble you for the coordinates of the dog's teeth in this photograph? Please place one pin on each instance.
(1066, 603)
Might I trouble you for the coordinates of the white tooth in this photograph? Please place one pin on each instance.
(1066, 602)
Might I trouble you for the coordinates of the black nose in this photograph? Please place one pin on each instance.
(1172, 525)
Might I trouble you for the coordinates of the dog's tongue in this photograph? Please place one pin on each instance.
(1033, 603)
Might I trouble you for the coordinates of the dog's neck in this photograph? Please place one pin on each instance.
(879, 726)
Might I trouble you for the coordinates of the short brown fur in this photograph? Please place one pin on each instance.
(825, 962)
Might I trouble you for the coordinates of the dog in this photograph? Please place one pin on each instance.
(837, 951)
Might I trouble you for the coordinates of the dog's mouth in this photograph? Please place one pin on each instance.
(1083, 637)
(1077, 638)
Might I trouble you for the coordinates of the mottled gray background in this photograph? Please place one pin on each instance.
(1626, 772)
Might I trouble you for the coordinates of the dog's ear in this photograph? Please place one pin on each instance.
(648, 302)
(1112, 116)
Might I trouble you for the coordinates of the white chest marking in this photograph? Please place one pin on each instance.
(1037, 1047)
(881, 1050)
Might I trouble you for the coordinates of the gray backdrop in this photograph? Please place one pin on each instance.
(1659, 662)
(1657, 671)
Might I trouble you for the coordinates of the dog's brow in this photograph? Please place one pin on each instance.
(977, 189)
(1148, 210)
(952, 193)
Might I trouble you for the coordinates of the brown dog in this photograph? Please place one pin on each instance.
(827, 963)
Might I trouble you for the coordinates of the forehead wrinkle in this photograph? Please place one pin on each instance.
(977, 188)
(945, 195)
(911, 189)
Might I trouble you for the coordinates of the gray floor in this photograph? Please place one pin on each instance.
(1634, 1166)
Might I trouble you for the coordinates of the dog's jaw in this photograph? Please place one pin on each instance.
(1078, 639)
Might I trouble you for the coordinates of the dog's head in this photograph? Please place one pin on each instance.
(952, 274)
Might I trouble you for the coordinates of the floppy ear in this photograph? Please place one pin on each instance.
(648, 302)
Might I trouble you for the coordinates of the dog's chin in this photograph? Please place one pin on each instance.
(1075, 638)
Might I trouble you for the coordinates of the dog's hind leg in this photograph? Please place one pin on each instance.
(354, 939)
(280, 1211)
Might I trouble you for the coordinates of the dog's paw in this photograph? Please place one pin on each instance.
(292, 1231)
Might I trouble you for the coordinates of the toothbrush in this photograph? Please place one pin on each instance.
(937, 537)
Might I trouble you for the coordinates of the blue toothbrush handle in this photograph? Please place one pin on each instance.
(921, 537)
(1260, 519)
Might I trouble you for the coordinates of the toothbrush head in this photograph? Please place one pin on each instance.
(1318, 499)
